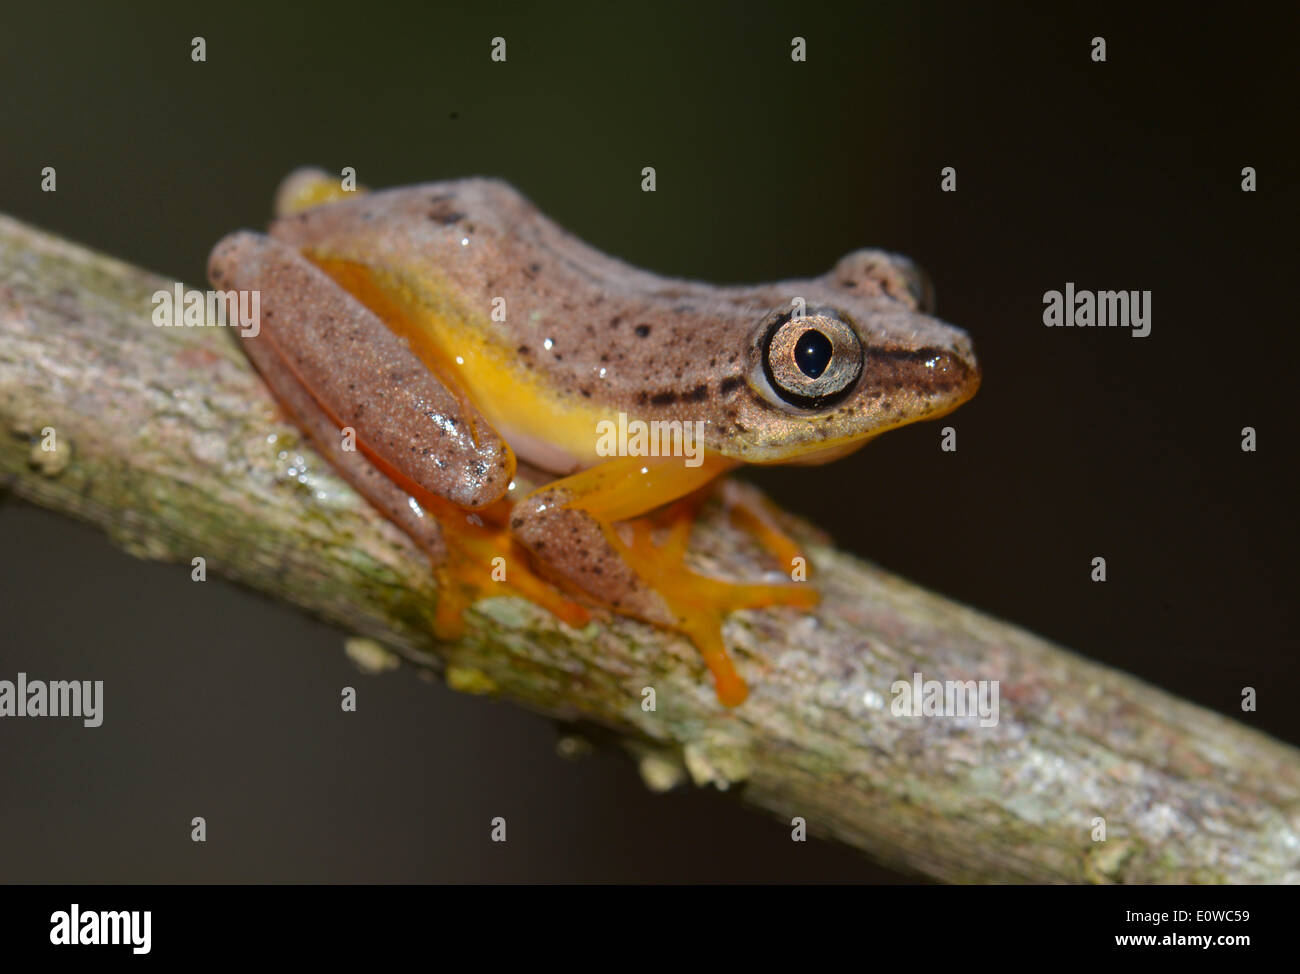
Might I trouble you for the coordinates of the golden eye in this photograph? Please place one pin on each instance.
(812, 361)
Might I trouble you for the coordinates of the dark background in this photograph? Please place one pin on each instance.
(1081, 442)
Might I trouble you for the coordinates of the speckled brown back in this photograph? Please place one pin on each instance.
(612, 335)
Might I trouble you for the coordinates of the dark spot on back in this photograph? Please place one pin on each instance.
(442, 211)
(663, 398)
(698, 394)
(642, 331)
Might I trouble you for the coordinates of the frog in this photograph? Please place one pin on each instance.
(460, 358)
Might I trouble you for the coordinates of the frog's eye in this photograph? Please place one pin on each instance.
(811, 361)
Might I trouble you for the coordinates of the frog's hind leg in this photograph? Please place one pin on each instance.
(317, 345)
(640, 570)
(365, 378)
(319, 427)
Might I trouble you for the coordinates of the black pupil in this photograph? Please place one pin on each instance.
(813, 353)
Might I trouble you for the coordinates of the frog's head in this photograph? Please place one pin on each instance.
(862, 358)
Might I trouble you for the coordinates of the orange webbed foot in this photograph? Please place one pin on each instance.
(698, 603)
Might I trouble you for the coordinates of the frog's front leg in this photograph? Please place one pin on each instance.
(570, 526)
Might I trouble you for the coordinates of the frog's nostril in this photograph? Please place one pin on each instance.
(953, 374)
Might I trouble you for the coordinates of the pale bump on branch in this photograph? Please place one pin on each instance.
(168, 440)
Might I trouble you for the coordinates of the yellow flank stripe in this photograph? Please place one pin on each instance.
(475, 368)
(515, 398)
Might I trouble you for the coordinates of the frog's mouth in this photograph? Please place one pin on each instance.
(826, 454)
(936, 383)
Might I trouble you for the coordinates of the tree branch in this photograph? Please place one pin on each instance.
(168, 440)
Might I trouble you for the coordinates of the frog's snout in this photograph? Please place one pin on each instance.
(934, 376)
(954, 373)
(954, 377)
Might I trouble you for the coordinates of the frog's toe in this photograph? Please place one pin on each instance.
(307, 187)
(750, 510)
(698, 603)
